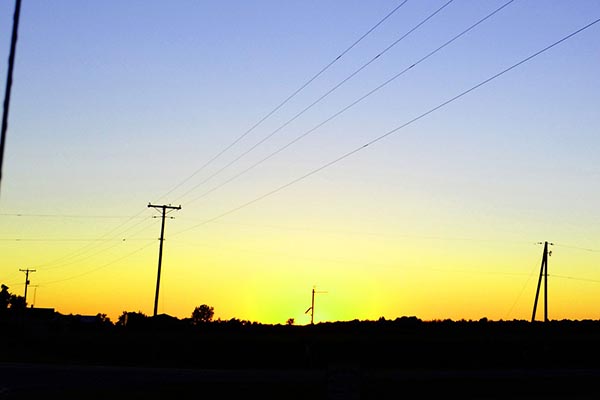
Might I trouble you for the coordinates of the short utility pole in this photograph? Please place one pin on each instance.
(27, 271)
(312, 307)
(164, 209)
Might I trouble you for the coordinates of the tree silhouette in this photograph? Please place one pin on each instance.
(4, 297)
(131, 319)
(103, 319)
(202, 314)
(17, 302)
(10, 303)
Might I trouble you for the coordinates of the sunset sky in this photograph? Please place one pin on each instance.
(254, 116)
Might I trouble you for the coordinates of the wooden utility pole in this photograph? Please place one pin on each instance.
(27, 271)
(164, 209)
(544, 273)
(9, 78)
(312, 307)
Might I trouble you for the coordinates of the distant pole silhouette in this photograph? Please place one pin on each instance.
(11, 63)
(34, 295)
(27, 271)
(312, 306)
(544, 273)
(164, 209)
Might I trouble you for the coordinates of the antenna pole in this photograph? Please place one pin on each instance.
(164, 209)
(546, 254)
(34, 295)
(312, 307)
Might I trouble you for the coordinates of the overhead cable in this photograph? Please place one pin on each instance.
(335, 115)
(323, 96)
(392, 131)
(270, 113)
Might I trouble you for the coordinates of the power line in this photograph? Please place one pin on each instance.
(395, 130)
(303, 86)
(62, 260)
(65, 262)
(88, 247)
(323, 96)
(378, 138)
(67, 216)
(92, 246)
(456, 98)
(76, 257)
(335, 115)
(10, 277)
(577, 248)
(392, 237)
(575, 278)
(67, 240)
(79, 255)
(525, 285)
(353, 262)
(98, 268)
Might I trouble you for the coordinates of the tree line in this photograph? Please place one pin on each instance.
(12, 305)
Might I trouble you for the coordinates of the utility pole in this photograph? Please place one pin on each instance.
(544, 273)
(27, 271)
(9, 78)
(312, 306)
(164, 209)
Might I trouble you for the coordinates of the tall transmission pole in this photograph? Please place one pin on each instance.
(312, 306)
(164, 209)
(27, 271)
(11, 63)
(544, 274)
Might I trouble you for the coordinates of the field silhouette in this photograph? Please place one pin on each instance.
(163, 356)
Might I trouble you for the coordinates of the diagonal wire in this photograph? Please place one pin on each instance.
(392, 131)
(325, 68)
(323, 96)
(100, 267)
(9, 80)
(351, 104)
(91, 246)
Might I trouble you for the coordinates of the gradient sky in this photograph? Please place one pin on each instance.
(118, 104)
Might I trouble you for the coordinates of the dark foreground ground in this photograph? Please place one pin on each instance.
(34, 381)
(405, 358)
